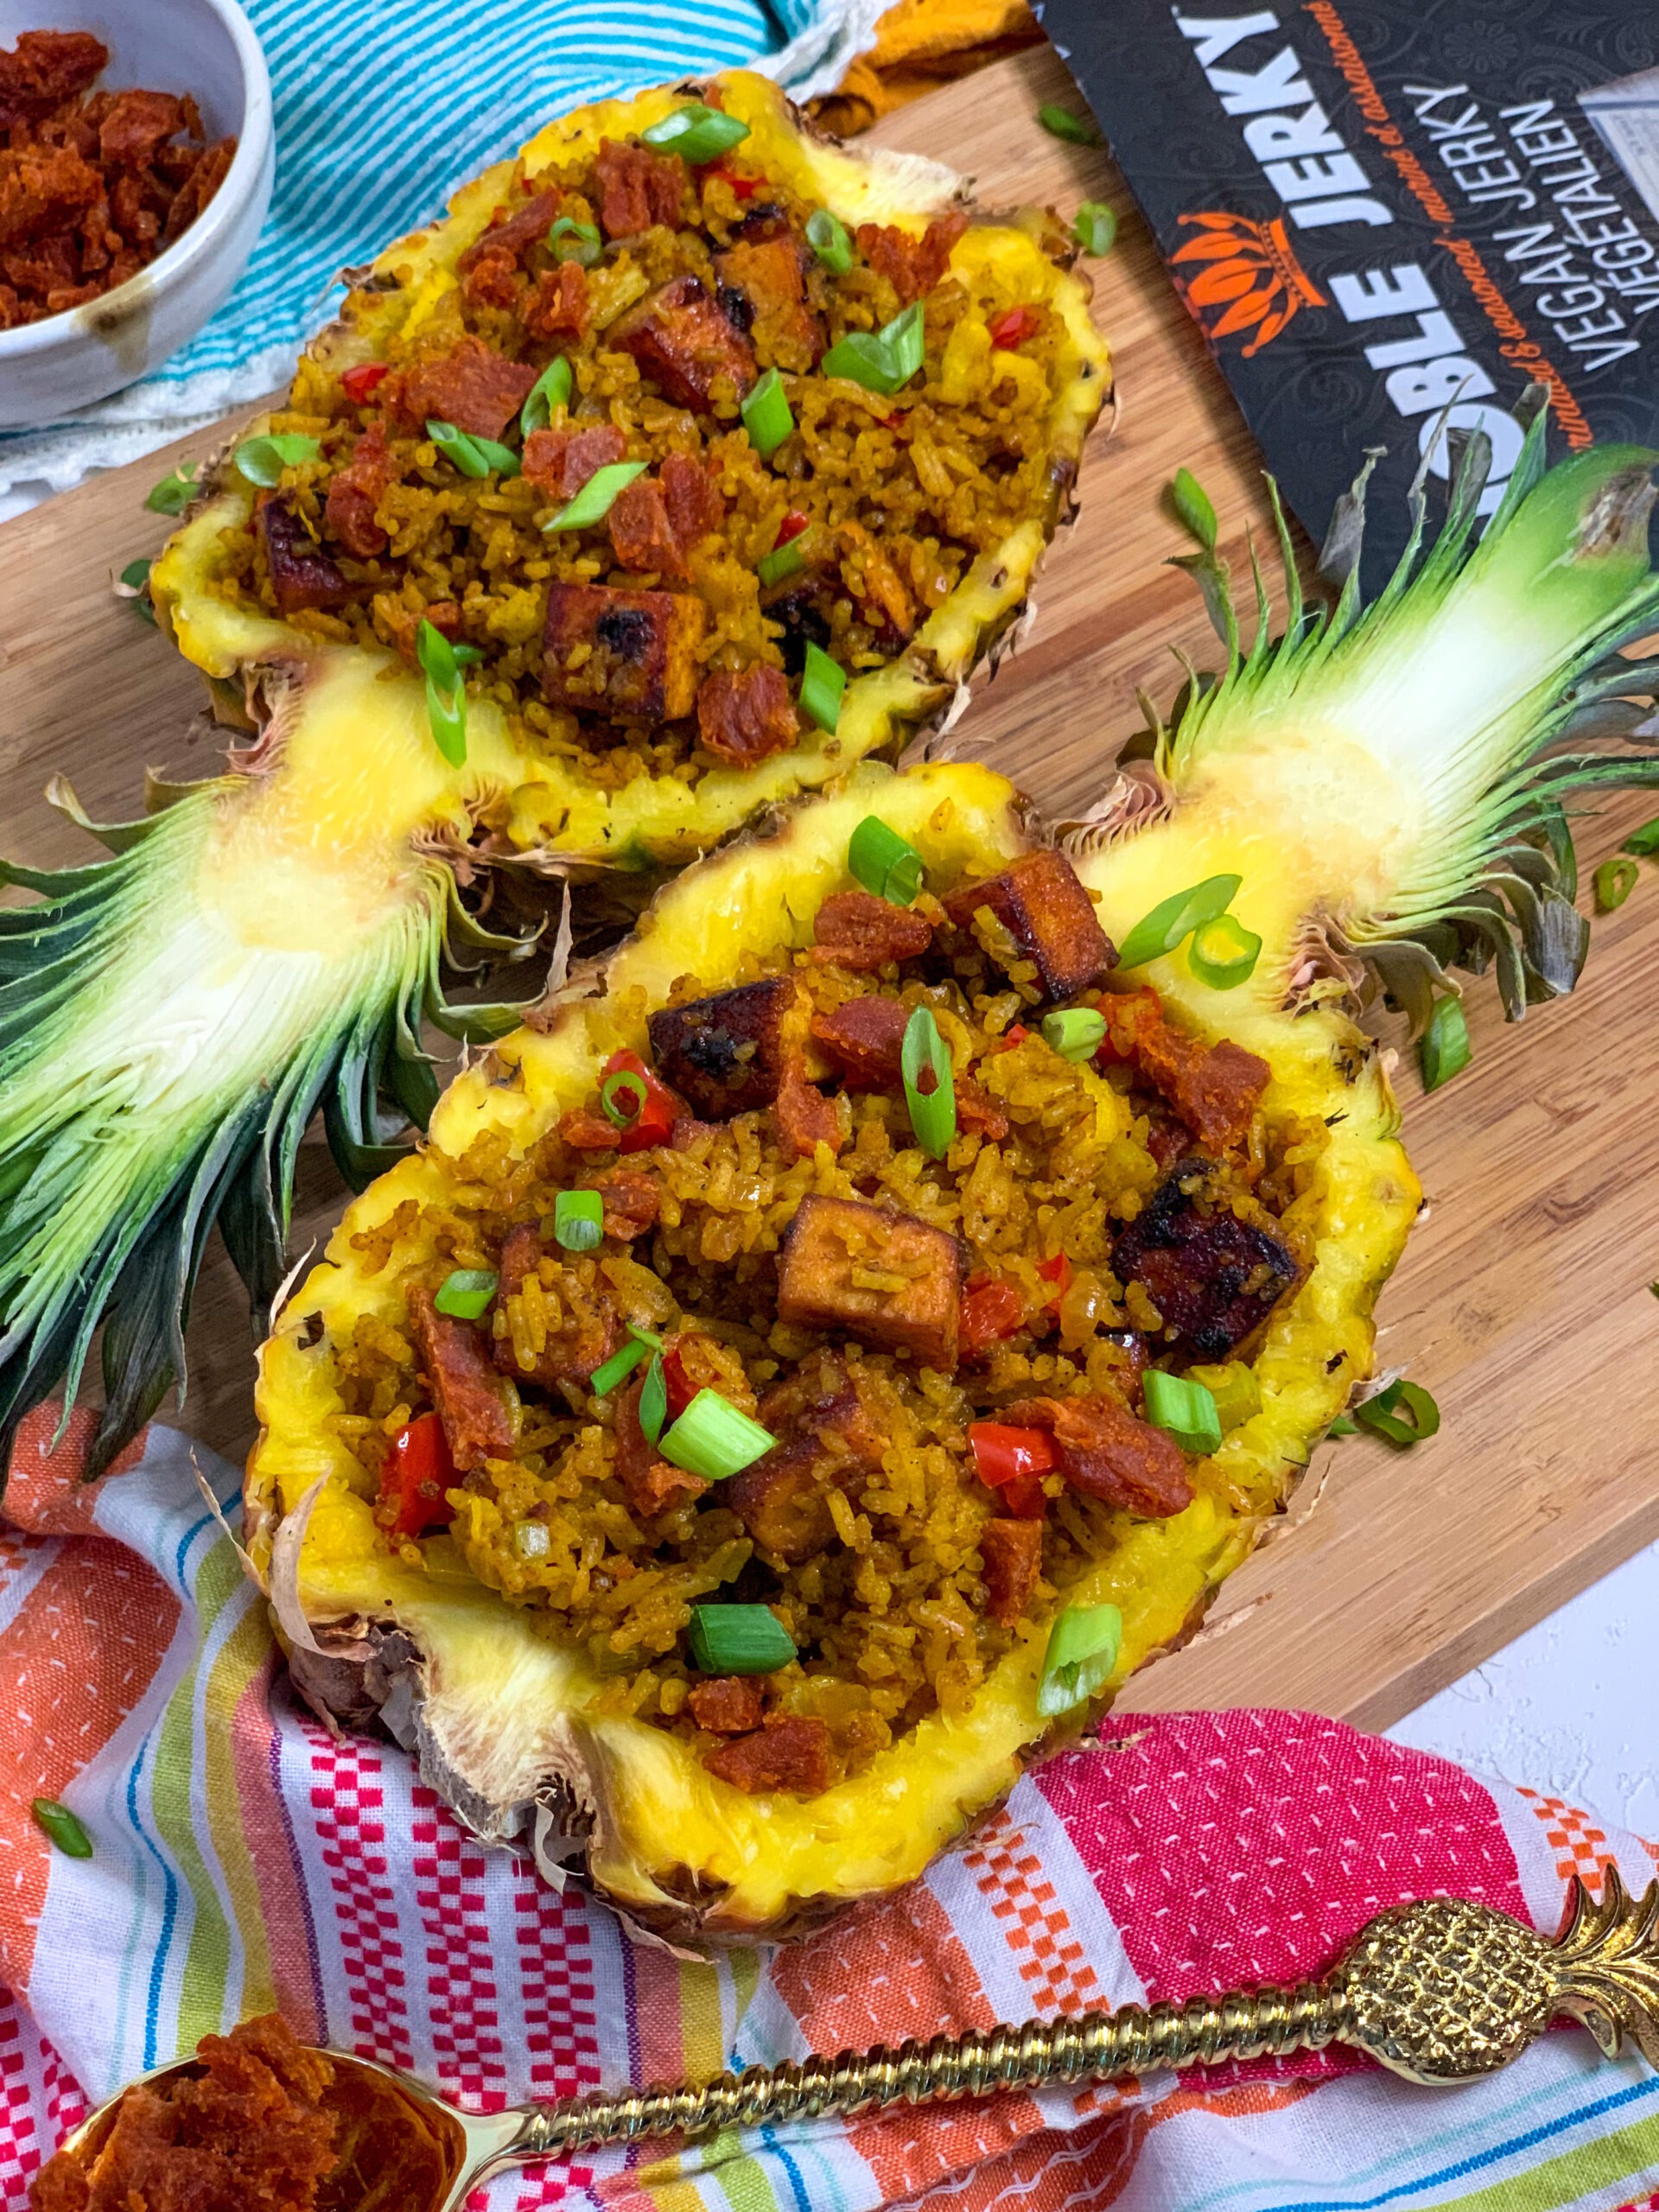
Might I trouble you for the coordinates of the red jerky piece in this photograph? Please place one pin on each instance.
(637, 187)
(642, 536)
(559, 462)
(856, 929)
(584, 1339)
(476, 1406)
(137, 126)
(830, 1238)
(471, 385)
(805, 1118)
(302, 574)
(1011, 1558)
(649, 1484)
(788, 1753)
(44, 70)
(511, 234)
(631, 1204)
(46, 188)
(824, 1435)
(695, 506)
(1107, 1452)
(729, 1705)
(1044, 909)
(683, 341)
(557, 307)
(727, 1053)
(867, 1036)
(357, 491)
(1214, 1278)
(745, 715)
(1214, 1087)
(641, 651)
(912, 266)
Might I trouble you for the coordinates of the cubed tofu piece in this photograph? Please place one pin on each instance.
(727, 1054)
(685, 343)
(1214, 1277)
(878, 1277)
(632, 653)
(1044, 909)
(769, 275)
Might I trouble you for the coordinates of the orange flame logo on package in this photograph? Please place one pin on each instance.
(1246, 269)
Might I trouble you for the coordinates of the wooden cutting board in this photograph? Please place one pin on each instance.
(1523, 1302)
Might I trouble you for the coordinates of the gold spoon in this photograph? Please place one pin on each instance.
(1441, 1991)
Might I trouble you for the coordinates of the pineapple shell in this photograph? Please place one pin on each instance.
(505, 1723)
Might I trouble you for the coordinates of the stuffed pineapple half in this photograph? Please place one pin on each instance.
(798, 1385)
(686, 461)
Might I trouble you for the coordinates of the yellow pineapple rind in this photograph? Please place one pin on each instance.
(507, 1713)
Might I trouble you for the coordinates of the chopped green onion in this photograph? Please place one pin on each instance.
(933, 1113)
(593, 503)
(1076, 1033)
(618, 1368)
(131, 586)
(1446, 1049)
(446, 696)
(176, 491)
(1343, 1427)
(1644, 841)
(1083, 1649)
(529, 1539)
(880, 360)
(828, 240)
(472, 456)
(261, 461)
(713, 1438)
(572, 241)
(615, 1093)
(467, 1293)
(1224, 953)
(1233, 1386)
(1175, 918)
(135, 574)
(1096, 227)
(1614, 881)
(782, 561)
(1404, 1413)
(1062, 124)
(739, 1640)
(1184, 1408)
(823, 682)
(697, 133)
(766, 414)
(1193, 510)
(884, 862)
(61, 1825)
(578, 1220)
(653, 1399)
(551, 390)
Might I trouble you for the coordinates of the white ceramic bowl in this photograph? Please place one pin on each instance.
(204, 47)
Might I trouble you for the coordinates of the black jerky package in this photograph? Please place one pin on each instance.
(1389, 218)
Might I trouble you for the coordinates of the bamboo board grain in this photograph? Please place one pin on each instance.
(1523, 1301)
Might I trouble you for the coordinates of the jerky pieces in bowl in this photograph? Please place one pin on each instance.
(135, 164)
(689, 459)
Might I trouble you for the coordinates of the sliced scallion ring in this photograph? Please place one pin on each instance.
(1224, 953)
(1614, 880)
(884, 862)
(578, 1220)
(131, 586)
(782, 561)
(1082, 1648)
(1175, 918)
(474, 456)
(1193, 508)
(1445, 1050)
(739, 1640)
(1644, 841)
(766, 414)
(465, 1292)
(1404, 1413)
(653, 1399)
(570, 240)
(933, 1113)
(445, 697)
(623, 1097)
(1185, 1409)
(827, 236)
(261, 461)
(697, 134)
(176, 491)
(551, 390)
(1060, 123)
(618, 1368)
(880, 360)
(823, 682)
(1095, 227)
(64, 1829)
(593, 503)
(1076, 1033)
(713, 1438)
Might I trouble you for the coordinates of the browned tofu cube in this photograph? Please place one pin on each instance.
(1214, 1278)
(1045, 910)
(726, 1054)
(622, 653)
(880, 1278)
(685, 343)
(770, 276)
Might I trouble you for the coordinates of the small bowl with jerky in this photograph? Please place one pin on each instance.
(136, 159)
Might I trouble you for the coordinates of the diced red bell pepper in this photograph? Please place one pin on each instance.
(1059, 1272)
(1012, 1461)
(1013, 329)
(417, 1472)
(654, 1123)
(990, 1311)
(1015, 1034)
(358, 382)
(743, 188)
(792, 526)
